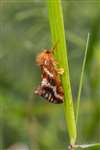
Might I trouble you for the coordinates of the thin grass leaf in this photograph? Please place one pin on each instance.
(58, 35)
(90, 146)
(81, 79)
(95, 146)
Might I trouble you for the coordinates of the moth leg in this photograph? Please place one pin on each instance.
(60, 71)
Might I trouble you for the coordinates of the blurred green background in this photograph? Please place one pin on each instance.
(27, 120)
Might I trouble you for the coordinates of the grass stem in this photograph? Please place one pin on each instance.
(58, 34)
(81, 79)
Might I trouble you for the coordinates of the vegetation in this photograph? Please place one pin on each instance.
(24, 32)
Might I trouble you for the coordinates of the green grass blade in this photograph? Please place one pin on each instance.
(58, 35)
(90, 146)
(81, 79)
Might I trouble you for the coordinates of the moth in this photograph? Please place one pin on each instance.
(50, 87)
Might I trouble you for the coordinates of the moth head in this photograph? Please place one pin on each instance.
(45, 55)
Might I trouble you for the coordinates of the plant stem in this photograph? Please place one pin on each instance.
(58, 35)
(81, 79)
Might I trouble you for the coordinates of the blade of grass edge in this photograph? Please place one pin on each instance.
(95, 146)
(81, 79)
(58, 34)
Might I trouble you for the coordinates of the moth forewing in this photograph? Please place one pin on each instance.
(50, 87)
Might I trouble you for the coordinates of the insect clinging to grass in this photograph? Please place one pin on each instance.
(50, 87)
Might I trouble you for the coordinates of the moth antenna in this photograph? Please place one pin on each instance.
(54, 47)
